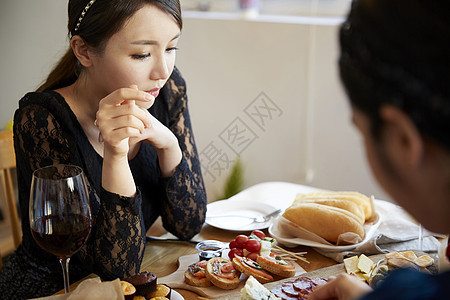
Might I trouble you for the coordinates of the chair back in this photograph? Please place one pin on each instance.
(9, 204)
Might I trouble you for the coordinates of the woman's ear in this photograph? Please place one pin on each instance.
(80, 50)
(402, 138)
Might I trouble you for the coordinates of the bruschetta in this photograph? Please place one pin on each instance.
(221, 272)
(276, 265)
(251, 268)
(195, 274)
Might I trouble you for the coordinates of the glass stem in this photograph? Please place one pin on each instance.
(65, 268)
(420, 237)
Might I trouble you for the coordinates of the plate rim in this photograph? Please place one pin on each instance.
(178, 295)
(230, 202)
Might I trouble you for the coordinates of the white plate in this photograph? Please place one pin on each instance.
(174, 295)
(237, 208)
(292, 242)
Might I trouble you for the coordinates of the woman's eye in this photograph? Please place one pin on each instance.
(171, 49)
(140, 56)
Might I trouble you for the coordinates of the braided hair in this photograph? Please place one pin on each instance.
(397, 52)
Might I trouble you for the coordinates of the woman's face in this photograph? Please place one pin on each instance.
(142, 53)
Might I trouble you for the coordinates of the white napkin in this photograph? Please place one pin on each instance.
(92, 289)
(396, 232)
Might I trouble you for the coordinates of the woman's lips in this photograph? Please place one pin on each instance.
(154, 92)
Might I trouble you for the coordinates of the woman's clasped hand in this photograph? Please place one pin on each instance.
(123, 115)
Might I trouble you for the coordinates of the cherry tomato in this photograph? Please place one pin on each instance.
(241, 240)
(235, 251)
(253, 245)
(259, 234)
(232, 244)
(253, 255)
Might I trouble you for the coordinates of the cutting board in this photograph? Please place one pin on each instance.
(176, 279)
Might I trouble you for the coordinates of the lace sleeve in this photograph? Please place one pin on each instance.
(185, 211)
(116, 245)
(119, 239)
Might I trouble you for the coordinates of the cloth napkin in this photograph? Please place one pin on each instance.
(397, 232)
(92, 289)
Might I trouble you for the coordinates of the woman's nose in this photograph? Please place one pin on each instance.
(160, 69)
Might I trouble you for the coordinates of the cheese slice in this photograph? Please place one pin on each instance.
(365, 264)
(266, 248)
(424, 261)
(362, 276)
(408, 255)
(253, 290)
(351, 264)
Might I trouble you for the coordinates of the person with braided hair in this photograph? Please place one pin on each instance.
(116, 106)
(395, 66)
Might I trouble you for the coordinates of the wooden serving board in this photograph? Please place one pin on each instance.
(176, 279)
(323, 273)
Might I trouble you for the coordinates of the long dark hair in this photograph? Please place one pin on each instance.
(102, 20)
(397, 52)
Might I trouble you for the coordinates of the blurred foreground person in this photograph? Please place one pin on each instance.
(395, 66)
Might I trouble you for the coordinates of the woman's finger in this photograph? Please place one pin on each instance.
(110, 113)
(123, 122)
(142, 104)
(124, 94)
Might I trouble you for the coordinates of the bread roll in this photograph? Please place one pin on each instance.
(350, 206)
(364, 202)
(327, 222)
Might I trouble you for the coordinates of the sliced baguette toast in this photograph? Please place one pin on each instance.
(251, 268)
(278, 267)
(195, 281)
(214, 272)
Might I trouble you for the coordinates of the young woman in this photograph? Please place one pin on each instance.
(395, 62)
(116, 106)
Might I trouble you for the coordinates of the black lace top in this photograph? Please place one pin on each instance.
(47, 132)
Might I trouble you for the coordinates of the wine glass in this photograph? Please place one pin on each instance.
(387, 265)
(60, 214)
(420, 237)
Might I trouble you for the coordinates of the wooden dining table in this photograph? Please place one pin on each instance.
(163, 253)
(161, 257)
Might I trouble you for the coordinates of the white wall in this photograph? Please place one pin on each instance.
(275, 7)
(32, 38)
(231, 66)
(309, 139)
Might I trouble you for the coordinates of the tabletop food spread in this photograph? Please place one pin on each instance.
(257, 263)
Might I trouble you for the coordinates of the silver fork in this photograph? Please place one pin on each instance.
(258, 219)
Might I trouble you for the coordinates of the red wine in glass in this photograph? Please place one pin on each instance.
(60, 238)
(60, 214)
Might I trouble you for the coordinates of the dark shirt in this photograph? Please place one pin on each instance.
(408, 284)
(47, 132)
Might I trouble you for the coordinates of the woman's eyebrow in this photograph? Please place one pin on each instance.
(144, 42)
(151, 42)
